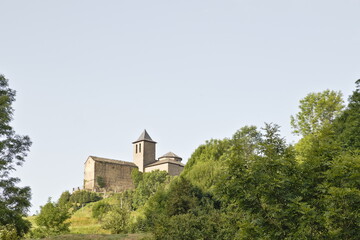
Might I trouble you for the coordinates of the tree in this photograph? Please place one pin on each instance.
(51, 220)
(347, 126)
(146, 185)
(317, 110)
(80, 198)
(14, 200)
(117, 217)
(117, 220)
(64, 199)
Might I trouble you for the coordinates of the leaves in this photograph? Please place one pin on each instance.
(317, 110)
(14, 200)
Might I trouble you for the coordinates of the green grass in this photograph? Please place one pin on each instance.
(84, 227)
(83, 223)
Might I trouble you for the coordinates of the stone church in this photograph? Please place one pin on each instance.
(114, 175)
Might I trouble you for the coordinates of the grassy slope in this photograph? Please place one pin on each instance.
(83, 223)
(84, 227)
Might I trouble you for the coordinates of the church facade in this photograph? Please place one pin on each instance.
(114, 175)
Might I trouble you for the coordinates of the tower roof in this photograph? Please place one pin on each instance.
(144, 137)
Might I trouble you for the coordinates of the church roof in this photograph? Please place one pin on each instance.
(144, 137)
(107, 160)
(170, 155)
(165, 161)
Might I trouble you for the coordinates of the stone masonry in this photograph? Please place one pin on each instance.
(103, 174)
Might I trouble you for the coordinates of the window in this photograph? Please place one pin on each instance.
(140, 147)
(135, 148)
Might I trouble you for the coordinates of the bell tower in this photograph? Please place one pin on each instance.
(144, 151)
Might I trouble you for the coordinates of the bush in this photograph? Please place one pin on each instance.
(80, 198)
(51, 220)
(64, 199)
(8, 232)
(100, 209)
(116, 220)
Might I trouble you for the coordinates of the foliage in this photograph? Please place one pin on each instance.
(100, 181)
(317, 110)
(64, 200)
(8, 232)
(52, 220)
(205, 164)
(342, 201)
(136, 177)
(254, 185)
(100, 209)
(14, 200)
(347, 126)
(117, 219)
(147, 184)
(80, 198)
(262, 182)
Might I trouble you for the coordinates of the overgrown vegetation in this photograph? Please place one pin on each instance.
(253, 185)
(51, 221)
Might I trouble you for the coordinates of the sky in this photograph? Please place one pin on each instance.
(91, 75)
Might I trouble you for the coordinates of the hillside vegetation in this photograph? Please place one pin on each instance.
(252, 185)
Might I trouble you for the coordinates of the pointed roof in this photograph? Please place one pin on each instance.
(144, 137)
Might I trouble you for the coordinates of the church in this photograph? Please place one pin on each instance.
(103, 174)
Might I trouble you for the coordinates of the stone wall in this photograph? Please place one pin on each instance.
(116, 177)
(161, 167)
(89, 172)
(172, 169)
(175, 170)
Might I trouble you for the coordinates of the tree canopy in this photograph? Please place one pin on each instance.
(317, 110)
(14, 200)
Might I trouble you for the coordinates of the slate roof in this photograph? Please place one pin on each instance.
(144, 137)
(107, 160)
(170, 155)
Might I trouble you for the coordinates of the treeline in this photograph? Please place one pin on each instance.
(255, 185)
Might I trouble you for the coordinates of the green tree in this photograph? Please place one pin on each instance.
(205, 164)
(342, 199)
(52, 219)
(14, 200)
(347, 126)
(317, 110)
(117, 218)
(64, 199)
(147, 185)
(261, 185)
(79, 199)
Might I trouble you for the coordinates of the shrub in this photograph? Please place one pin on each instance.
(100, 209)
(8, 232)
(116, 220)
(51, 220)
(80, 198)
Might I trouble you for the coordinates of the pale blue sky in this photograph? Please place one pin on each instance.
(91, 75)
